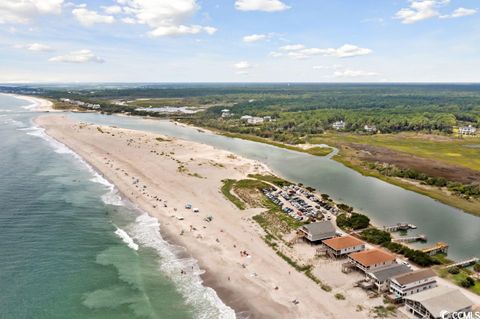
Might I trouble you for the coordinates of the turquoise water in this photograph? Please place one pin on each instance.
(386, 204)
(71, 248)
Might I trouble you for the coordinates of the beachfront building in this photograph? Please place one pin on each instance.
(339, 125)
(440, 302)
(411, 283)
(381, 277)
(318, 231)
(467, 130)
(370, 260)
(340, 247)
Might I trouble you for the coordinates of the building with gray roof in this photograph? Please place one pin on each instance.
(439, 302)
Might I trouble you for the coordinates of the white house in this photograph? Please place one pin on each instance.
(341, 246)
(339, 125)
(467, 130)
(245, 118)
(412, 283)
(370, 128)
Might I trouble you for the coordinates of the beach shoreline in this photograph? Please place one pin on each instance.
(244, 284)
(37, 104)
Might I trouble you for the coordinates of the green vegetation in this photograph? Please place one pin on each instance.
(384, 312)
(476, 267)
(271, 179)
(465, 190)
(376, 236)
(317, 151)
(161, 139)
(226, 191)
(383, 238)
(353, 221)
(463, 278)
(339, 296)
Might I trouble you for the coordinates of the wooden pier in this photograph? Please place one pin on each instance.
(465, 263)
(399, 227)
(438, 248)
(410, 239)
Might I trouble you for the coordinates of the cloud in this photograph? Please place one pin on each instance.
(327, 67)
(419, 10)
(88, 17)
(299, 51)
(15, 11)
(349, 73)
(82, 56)
(164, 17)
(460, 12)
(260, 5)
(254, 38)
(37, 47)
(242, 67)
(112, 9)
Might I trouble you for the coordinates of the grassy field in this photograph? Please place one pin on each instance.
(317, 151)
(458, 278)
(456, 151)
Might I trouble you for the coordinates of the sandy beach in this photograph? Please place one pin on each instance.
(37, 104)
(161, 175)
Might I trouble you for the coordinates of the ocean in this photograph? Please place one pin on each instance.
(71, 247)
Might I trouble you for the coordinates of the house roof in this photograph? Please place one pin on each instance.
(417, 275)
(441, 299)
(320, 230)
(371, 257)
(339, 243)
(384, 274)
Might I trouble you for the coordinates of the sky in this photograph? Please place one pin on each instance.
(239, 41)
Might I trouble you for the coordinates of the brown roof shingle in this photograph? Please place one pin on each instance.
(414, 276)
(343, 242)
(372, 257)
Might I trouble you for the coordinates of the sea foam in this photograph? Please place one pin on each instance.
(126, 238)
(184, 272)
(112, 197)
(145, 231)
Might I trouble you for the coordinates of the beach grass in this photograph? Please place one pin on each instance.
(226, 191)
(280, 182)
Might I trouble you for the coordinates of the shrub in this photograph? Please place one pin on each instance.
(454, 270)
(339, 296)
(376, 236)
(467, 282)
(476, 267)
